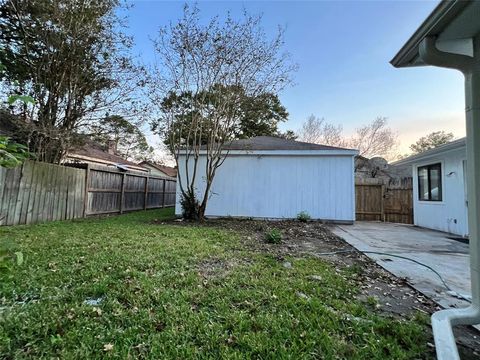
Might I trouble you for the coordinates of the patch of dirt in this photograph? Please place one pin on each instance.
(215, 268)
(379, 289)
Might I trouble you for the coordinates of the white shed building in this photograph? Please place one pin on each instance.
(269, 177)
(439, 187)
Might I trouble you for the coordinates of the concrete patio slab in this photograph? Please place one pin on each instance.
(433, 248)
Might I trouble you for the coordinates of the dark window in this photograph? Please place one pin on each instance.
(430, 182)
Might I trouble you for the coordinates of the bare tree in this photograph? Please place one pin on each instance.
(375, 139)
(203, 70)
(317, 130)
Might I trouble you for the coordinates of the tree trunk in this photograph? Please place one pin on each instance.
(201, 212)
(203, 206)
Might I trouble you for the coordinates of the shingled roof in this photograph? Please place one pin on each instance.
(94, 151)
(170, 171)
(275, 143)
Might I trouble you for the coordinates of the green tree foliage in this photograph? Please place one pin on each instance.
(255, 115)
(260, 115)
(183, 112)
(12, 99)
(431, 141)
(12, 154)
(289, 135)
(130, 143)
(70, 59)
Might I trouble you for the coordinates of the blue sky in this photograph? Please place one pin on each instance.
(343, 49)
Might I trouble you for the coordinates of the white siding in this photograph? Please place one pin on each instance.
(270, 186)
(449, 215)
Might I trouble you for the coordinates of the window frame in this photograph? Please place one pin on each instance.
(429, 167)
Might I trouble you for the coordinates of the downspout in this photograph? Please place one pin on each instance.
(444, 320)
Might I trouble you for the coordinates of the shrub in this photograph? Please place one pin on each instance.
(303, 216)
(273, 236)
(190, 207)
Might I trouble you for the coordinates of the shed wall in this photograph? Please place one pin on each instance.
(449, 215)
(273, 186)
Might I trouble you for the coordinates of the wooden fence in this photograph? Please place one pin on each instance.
(111, 191)
(37, 192)
(384, 200)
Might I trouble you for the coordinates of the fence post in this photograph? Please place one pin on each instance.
(383, 203)
(85, 196)
(163, 197)
(146, 193)
(122, 194)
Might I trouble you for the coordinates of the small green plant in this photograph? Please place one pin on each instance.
(273, 236)
(9, 258)
(372, 301)
(303, 216)
(355, 269)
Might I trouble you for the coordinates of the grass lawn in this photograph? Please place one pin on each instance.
(124, 287)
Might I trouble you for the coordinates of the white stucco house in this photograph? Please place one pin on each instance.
(439, 187)
(275, 178)
(450, 38)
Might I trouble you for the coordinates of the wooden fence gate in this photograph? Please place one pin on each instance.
(37, 192)
(384, 200)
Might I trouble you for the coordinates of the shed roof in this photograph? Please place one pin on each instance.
(275, 143)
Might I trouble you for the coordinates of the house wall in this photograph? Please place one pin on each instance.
(450, 214)
(270, 186)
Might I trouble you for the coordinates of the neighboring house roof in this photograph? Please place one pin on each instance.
(449, 22)
(92, 151)
(274, 143)
(453, 145)
(170, 171)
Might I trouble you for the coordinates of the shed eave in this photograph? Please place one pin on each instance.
(285, 152)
